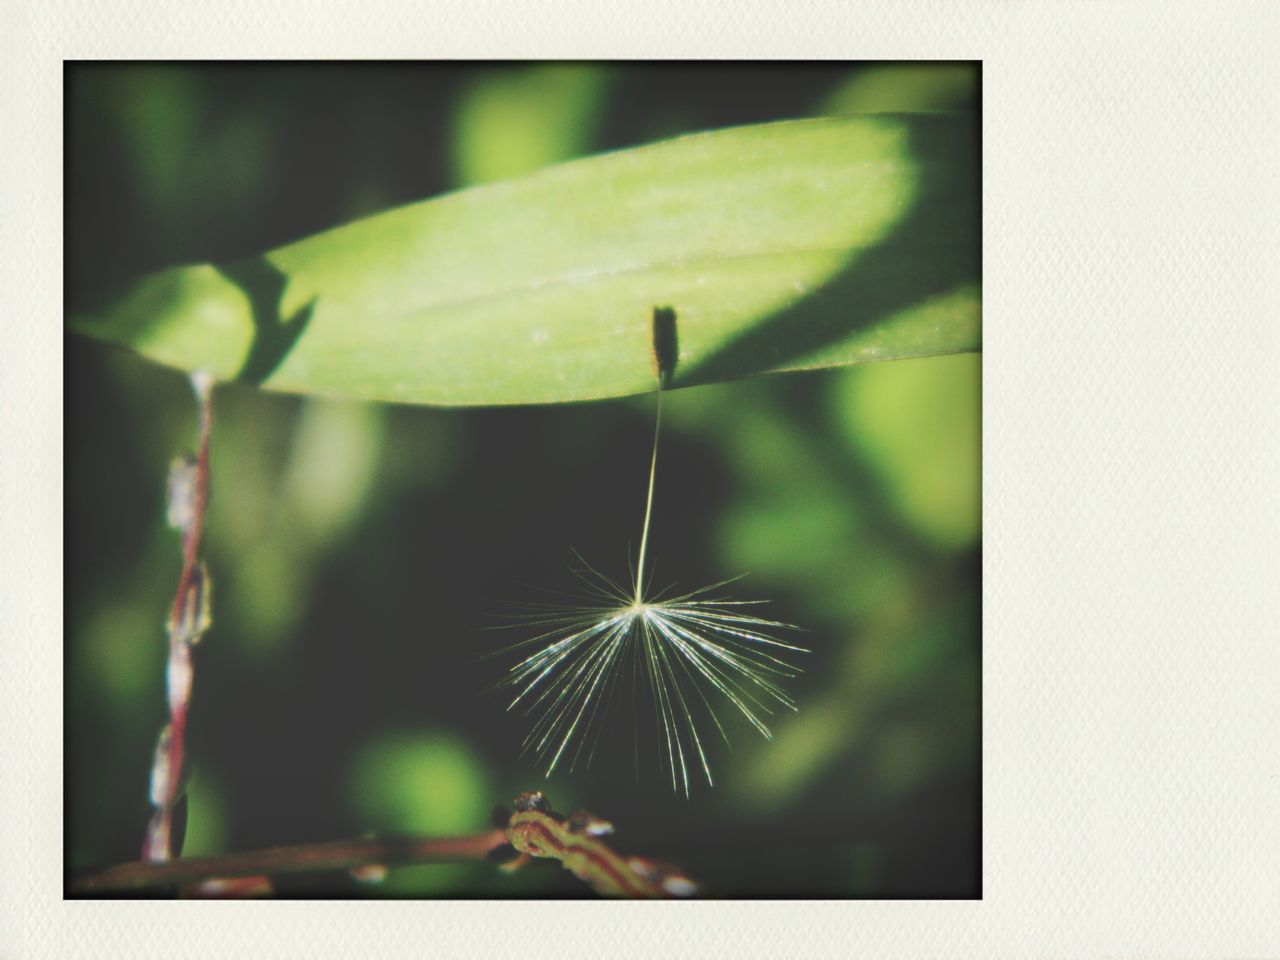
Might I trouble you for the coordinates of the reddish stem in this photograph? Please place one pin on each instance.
(335, 855)
(158, 844)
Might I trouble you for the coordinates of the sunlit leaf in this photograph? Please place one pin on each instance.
(782, 246)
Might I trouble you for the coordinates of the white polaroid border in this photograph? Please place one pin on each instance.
(1131, 682)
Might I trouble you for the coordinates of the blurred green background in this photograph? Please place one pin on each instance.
(359, 552)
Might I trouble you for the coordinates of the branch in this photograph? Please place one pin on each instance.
(533, 830)
(536, 831)
(303, 858)
(188, 620)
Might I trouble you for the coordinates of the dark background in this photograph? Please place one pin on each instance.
(359, 553)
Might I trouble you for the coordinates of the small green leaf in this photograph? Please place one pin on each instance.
(783, 246)
(906, 87)
(513, 121)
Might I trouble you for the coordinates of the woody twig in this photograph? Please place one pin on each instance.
(533, 830)
(188, 620)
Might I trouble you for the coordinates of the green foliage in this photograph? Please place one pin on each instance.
(360, 551)
(513, 122)
(896, 87)
(919, 424)
(425, 784)
(783, 246)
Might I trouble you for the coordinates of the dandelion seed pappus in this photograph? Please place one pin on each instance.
(690, 649)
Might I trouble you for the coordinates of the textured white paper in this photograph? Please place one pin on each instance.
(1131, 699)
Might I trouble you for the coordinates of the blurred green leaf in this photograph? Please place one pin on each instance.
(898, 87)
(424, 783)
(159, 109)
(428, 784)
(920, 426)
(513, 122)
(207, 826)
(190, 166)
(782, 246)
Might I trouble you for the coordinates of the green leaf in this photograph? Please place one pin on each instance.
(509, 122)
(907, 86)
(783, 246)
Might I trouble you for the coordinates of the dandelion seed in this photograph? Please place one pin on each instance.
(691, 649)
